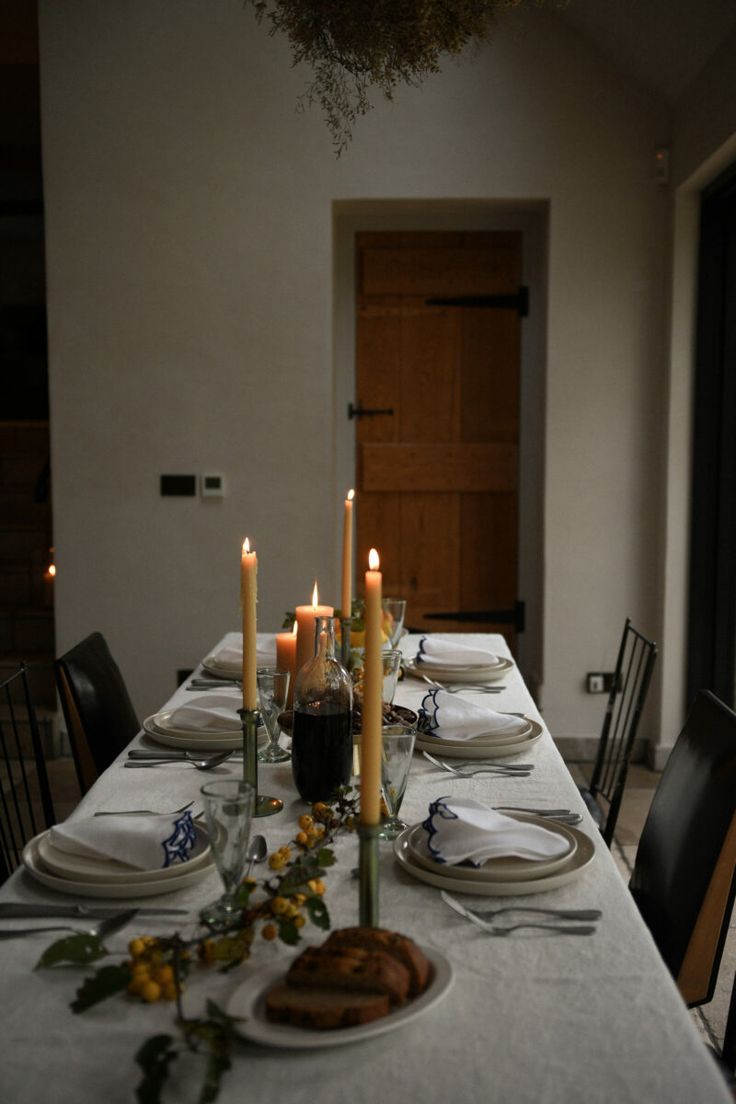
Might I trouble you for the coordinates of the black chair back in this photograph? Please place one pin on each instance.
(26, 807)
(683, 880)
(634, 666)
(99, 714)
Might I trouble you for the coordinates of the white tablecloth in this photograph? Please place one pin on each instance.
(530, 1019)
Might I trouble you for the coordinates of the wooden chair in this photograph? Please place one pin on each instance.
(26, 807)
(684, 875)
(634, 666)
(99, 714)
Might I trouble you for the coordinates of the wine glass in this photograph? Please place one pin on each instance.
(396, 752)
(273, 688)
(228, 808)
(394, 610)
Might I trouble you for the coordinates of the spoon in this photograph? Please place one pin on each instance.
(206, 762)
(105, 927)
(256, 853)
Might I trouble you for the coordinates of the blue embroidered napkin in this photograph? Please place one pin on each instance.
(143, 842)
(449, 717)
(462, 830)
(447, 653)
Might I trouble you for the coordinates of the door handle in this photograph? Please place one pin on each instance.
(366, 412)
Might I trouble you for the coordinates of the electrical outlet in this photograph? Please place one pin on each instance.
(599, 682)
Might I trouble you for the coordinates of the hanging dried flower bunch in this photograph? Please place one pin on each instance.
(352, 45)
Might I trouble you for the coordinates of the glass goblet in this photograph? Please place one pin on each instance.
(228, 807)
(273, 688)
(394, 610)
(396, 753)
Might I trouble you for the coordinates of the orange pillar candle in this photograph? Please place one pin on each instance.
(248, 590)
(347, 555)
(305, 616)
(286, 659)
(370, 740)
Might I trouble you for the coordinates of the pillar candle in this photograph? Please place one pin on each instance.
(347, 556)
(305, 616)
(286, 659)
(248, 589)
(370, 740)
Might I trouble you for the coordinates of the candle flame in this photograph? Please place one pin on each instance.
(373, 561)
(246, 547)
(351, 495)
(52, 569)
(294, 627)
(315, 596)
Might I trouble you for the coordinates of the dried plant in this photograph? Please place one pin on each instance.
(354, 45)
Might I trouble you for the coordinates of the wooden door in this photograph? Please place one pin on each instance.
(438, 345)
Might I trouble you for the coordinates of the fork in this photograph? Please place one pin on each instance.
(203, 763)
(144, 812)
(479, 688)
(105, 927)
(490, 914)
(517, 770)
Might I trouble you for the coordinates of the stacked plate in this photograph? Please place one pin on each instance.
(489, 745)
(162, 728)
(228, 665)
(472, 673)
(88, 877)
(502, 876)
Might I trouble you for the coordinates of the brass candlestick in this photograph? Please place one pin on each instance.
(368, 874)
(263, 804)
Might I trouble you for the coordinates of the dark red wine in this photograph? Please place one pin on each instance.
(321, 752)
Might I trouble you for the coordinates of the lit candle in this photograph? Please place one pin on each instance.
(370, 740)
(305, 616)
(286, 658)
(347, 556)
(248, 588)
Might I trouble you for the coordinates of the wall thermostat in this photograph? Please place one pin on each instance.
(212, 486)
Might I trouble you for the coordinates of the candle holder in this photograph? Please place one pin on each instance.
(346, 628)
(368, 874)
(263, 804)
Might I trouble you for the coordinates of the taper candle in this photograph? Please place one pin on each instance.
(305, 616)
(248, 591)
(370, 740)
(286, 659)
(347, 555)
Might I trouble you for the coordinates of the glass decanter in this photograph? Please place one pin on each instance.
(322, 737)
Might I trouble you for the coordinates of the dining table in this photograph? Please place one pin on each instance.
(529, 1018)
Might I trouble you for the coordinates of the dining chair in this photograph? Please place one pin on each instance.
(633, 673)
(25, 796)
(684, 874)
(99, 714)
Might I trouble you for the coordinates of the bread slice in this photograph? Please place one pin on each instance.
(323, 1009)
(399, 947)
(350, 968)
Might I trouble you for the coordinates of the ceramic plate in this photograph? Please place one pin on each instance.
(247, 1003)
(575, 865)
(193, 741)
(119, 891)
(82, 868)
(490, 739)
(501, 869)
(460, 674)
(164, 722)
(470, 749)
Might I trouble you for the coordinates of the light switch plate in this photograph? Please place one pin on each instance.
(212, 486)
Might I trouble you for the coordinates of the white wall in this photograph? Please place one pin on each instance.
(190, 287)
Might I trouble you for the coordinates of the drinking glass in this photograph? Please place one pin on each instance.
(394, 611)
(228, 808)
(391, 662)
(273, 689)
(396, 753)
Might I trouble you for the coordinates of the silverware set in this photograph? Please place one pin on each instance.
(482, 918)
(139, 758)
(513, 770)
(477, 688)
(106, 926)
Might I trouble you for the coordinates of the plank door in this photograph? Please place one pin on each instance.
(438, 355)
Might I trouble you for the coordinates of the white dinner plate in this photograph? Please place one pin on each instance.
(573, 868)
(36, 867)
(87, 869)
(191, 740)
(470, 749)
(491, 739)
(247, 1004)
(222, 670)
(492, 673)
(502, 869)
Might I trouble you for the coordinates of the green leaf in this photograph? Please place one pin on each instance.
(154, 1058)
(102, 984)
(78, 949)
(318, 913)
(326, 857)
(288, 931)
(217, 1065)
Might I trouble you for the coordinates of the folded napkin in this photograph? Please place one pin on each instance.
(446, 653)
(449, 717)
(218, 711)
(231, 656)
(143, 842)
(462, 830)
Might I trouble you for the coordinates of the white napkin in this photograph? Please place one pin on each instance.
(217, 710)
(231, 656)
(143, 842)
(462, 830)
(449, 717)
(446, 653)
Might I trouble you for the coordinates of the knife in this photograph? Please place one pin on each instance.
(17, 910)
